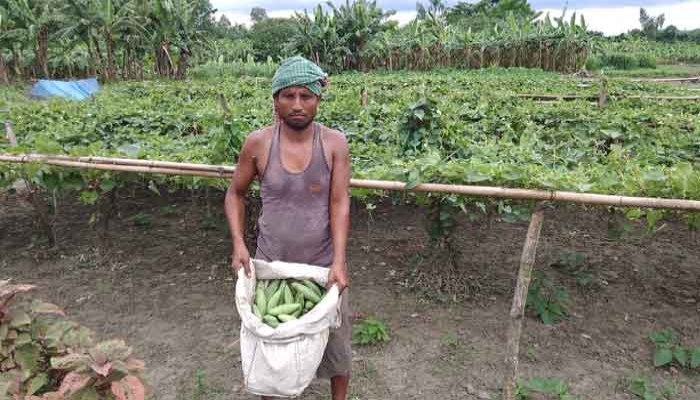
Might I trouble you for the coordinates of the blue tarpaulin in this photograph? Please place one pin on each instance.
(74, 90)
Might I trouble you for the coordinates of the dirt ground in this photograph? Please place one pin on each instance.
(161, 280)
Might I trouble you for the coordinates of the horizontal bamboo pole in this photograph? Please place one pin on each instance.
(467, 190)
(116, 167)
(667, 80)
(222, 169)
(553, 97)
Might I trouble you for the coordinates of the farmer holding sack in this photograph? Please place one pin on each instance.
(304, 172)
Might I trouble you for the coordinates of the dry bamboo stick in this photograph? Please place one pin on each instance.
(533, 194)
(115, 167)
(482, 191)
(517, 310)
(10, 134)
(559, 97)
(137, 162)
(667, 80)
(689, 98)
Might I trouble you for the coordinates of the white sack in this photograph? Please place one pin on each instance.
(283, 361)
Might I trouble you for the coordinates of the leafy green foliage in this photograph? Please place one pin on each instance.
(547, 301)
(44, 355)
(622, 61)
(644, 389)
(478, 133)
(535, 388)
(370, 331)
(668, 351)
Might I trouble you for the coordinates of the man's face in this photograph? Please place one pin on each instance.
(296, 106)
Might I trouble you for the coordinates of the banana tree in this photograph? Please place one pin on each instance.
(358, 22)
(35, 18)
(177, 23)
(5, 29)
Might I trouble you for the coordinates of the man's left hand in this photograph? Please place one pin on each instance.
(338, 275)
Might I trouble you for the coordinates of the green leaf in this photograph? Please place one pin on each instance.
(36, 383)
(612, 134)
(89, 393)
(667, 335)
(88, 197)
(695, 358)
(107, 184)
(681, 355)
(71, 361)
(413, 180)
(27, 357)
(662, 356)
(20, 319)
(654, 176)
(23, 338)
(41, 307)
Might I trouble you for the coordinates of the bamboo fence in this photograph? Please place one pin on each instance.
(226, 172)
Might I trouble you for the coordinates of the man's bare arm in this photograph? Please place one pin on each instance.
(234, 204)
(339, 209)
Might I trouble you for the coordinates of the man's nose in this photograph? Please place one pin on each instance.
(296, 105)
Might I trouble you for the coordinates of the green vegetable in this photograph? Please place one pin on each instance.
(256, 311)
(284, 309)
(270, 320)
(288, 297)
(308, 293)
(261, 300)
(313, 286)
(272, 288)
(286, 317)
(275, 299)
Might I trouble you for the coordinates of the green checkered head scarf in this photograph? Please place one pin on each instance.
(298, 71)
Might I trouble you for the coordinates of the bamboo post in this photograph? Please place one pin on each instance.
(41, 208)
(517, 310)
(224, 104)
(10, 134)
(364, 97)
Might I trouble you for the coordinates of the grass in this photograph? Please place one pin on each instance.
(201, 390)
(661, 71)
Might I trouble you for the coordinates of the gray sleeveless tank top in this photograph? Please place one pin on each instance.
(294, 223)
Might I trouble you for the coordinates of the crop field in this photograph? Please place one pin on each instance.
(145, 257)
(465, 127)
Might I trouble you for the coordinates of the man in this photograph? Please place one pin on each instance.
(304, 172)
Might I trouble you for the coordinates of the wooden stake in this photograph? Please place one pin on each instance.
(364, 97)
(224, 104)
(40, 206)
(517, 310)
(10, 134)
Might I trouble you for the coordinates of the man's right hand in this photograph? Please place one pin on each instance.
(241, 258)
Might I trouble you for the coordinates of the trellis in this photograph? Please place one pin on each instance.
(527, 260)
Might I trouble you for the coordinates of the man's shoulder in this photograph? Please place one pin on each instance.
(262, 133)
(259, 138)
(333, 137)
